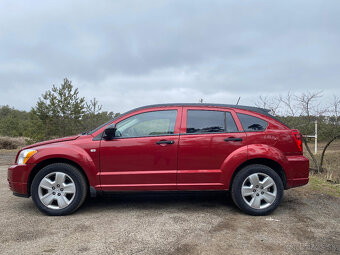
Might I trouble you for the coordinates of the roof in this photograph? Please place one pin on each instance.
(243, 107)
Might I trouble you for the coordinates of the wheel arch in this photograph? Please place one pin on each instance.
(262, 161)
(50, 161)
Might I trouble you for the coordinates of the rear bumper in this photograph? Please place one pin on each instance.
(298, 171)
(17, 176)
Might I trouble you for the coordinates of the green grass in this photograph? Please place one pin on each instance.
(317, 183)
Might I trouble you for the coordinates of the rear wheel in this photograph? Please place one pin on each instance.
(257, 190)
(59, 189)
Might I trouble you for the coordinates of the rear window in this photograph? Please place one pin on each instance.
(205, 121)
(251, 123)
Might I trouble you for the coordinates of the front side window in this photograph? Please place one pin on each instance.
(148, 124)
(251, 123)
(205, 121)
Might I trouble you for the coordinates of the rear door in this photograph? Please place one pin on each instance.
(208, 137)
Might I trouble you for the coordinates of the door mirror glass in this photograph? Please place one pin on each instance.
(110, 131)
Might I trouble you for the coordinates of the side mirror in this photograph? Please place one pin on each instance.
(110, 131)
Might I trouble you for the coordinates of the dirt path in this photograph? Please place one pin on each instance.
(166, 223)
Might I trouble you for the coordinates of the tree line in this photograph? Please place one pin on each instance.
(59, 112)
(301, 110)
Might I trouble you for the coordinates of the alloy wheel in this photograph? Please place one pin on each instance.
(56, 190)
(259, 190)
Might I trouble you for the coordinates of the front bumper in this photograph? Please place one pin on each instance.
(298, 171)
(17, 176)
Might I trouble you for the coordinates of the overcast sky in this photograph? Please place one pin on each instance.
(133, 53)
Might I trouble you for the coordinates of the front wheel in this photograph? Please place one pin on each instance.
(257, 190)
(58, 189)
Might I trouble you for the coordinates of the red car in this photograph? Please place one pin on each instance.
(167, 147)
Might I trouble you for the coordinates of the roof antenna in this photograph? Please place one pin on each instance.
(238, 100)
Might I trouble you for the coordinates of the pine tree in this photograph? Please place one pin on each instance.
(60, 110)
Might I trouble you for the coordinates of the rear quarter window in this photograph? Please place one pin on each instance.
(251, 123)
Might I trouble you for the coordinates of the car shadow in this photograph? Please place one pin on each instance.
(184, 200)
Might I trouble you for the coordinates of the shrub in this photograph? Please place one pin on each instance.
(12, 142)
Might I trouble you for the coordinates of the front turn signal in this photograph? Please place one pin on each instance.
(25, 155)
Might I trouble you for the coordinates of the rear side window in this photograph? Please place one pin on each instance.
(203, 121)
(251, 123)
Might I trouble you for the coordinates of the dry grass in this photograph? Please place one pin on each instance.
(331, 164)
(318, 183)
(12, 142)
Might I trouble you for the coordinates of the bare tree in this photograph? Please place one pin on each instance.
(271, 103)
(336, 108)
(307, 103)
(288, 101)
(324, 150)
(315, 161)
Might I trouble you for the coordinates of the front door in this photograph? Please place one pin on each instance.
(207, 138)
(143, 155)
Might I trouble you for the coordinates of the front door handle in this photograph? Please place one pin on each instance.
(233, 139)
(165, 142)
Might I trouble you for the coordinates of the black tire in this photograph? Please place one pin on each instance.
(241, 177)
(79, 182)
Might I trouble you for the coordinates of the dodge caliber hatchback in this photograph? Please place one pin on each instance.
(167, 147)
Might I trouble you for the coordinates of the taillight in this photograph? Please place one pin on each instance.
(298, 138)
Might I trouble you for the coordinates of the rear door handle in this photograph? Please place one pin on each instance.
(165, 142)
(233, 139)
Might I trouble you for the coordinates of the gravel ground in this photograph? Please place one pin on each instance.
(169, 223)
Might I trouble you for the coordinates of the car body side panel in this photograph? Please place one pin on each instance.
(296, 167)
(82, 151)
(200, 156)
(139, 163)
(232, 162)
(267, 152)
(79, 152)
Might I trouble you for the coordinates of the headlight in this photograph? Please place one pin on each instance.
(25, 155)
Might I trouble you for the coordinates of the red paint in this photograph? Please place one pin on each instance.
(193, 161)
(200, 156)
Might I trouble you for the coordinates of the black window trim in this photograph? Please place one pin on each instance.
(100, 136)
(211, 133)
(225, 122)
(117, 138)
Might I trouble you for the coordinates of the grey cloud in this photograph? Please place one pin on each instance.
(166, 51)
